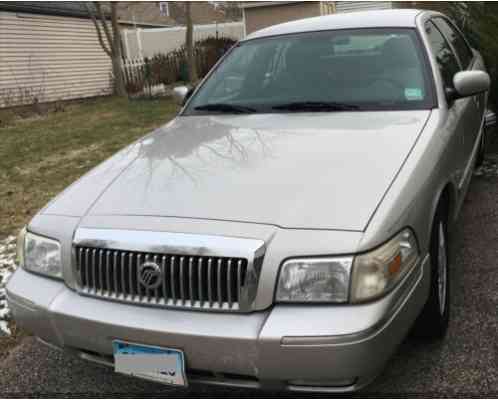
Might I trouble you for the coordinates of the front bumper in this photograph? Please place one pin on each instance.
(294, 347)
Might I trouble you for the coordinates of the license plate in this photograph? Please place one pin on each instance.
(150, 362)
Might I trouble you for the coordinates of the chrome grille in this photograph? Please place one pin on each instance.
(201, 282)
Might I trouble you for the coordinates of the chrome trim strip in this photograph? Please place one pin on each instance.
(324, 389)
(169, 243)
(229, 282)
(218, 282)
(48, 344)
(172, 278)
(94, 359)
(209, 282)
(199, 281)
(182, 281)
(191, 279)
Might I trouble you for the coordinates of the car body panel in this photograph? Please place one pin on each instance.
(300, 171)
(77, 198)
(247, 346)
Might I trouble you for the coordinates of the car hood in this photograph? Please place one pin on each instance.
(298, 170)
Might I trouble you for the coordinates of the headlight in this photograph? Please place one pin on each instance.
(376, 272)
(314, 280)
(41, 255)
(327, 280)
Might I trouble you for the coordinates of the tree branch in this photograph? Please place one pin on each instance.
(116, 46)
(99, 32)
(104, 25)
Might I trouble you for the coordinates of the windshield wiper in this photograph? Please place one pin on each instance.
(225, 108)
(316, 106)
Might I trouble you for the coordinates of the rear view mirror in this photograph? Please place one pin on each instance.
(181, 94)
(470, 83)
(341, 40)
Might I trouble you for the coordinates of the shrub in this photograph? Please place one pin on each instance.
(171, 67)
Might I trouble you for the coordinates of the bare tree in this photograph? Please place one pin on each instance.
(112, 43)
(189, 44)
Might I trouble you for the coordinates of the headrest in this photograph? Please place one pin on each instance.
(399, 51)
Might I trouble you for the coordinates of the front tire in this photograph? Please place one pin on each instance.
(433, 321)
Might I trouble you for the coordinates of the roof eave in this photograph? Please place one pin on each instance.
(267, 4)
(42, 10)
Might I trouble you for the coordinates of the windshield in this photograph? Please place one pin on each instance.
(343, 70)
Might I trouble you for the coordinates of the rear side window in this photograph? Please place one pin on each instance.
(446, 59)
(457, 41)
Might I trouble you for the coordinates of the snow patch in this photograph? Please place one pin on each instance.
(7, 267)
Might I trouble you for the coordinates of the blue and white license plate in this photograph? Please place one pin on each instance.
(150, 362)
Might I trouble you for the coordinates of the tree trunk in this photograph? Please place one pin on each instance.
(110, 42)
(189, 44)
(117, 70)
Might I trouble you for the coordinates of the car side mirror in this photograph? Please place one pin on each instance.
(470, 83)
(181, 94)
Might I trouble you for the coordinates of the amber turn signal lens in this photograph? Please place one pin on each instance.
(395, 265)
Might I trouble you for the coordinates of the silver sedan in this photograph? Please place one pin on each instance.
(287, 229)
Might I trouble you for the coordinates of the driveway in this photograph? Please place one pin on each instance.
(465, 364)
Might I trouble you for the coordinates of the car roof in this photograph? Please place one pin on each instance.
(399, 18)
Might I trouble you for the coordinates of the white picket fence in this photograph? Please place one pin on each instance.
(147, 42)
(135, 77)
(132, 67)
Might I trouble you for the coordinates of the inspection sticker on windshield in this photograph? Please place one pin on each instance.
(150, 362)
(413, 94)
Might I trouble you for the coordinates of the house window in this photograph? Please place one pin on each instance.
(163, 9)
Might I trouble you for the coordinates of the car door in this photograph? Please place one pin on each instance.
(475, 105)
(461, 113)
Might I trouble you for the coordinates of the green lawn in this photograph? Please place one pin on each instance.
(41, 155)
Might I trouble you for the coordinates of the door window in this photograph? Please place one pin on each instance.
(457, 41)
(446, 59)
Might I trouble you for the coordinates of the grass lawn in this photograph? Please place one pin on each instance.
(41, 155)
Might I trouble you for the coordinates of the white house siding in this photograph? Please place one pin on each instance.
(147, 42)
(348, 6)
(50, 58)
